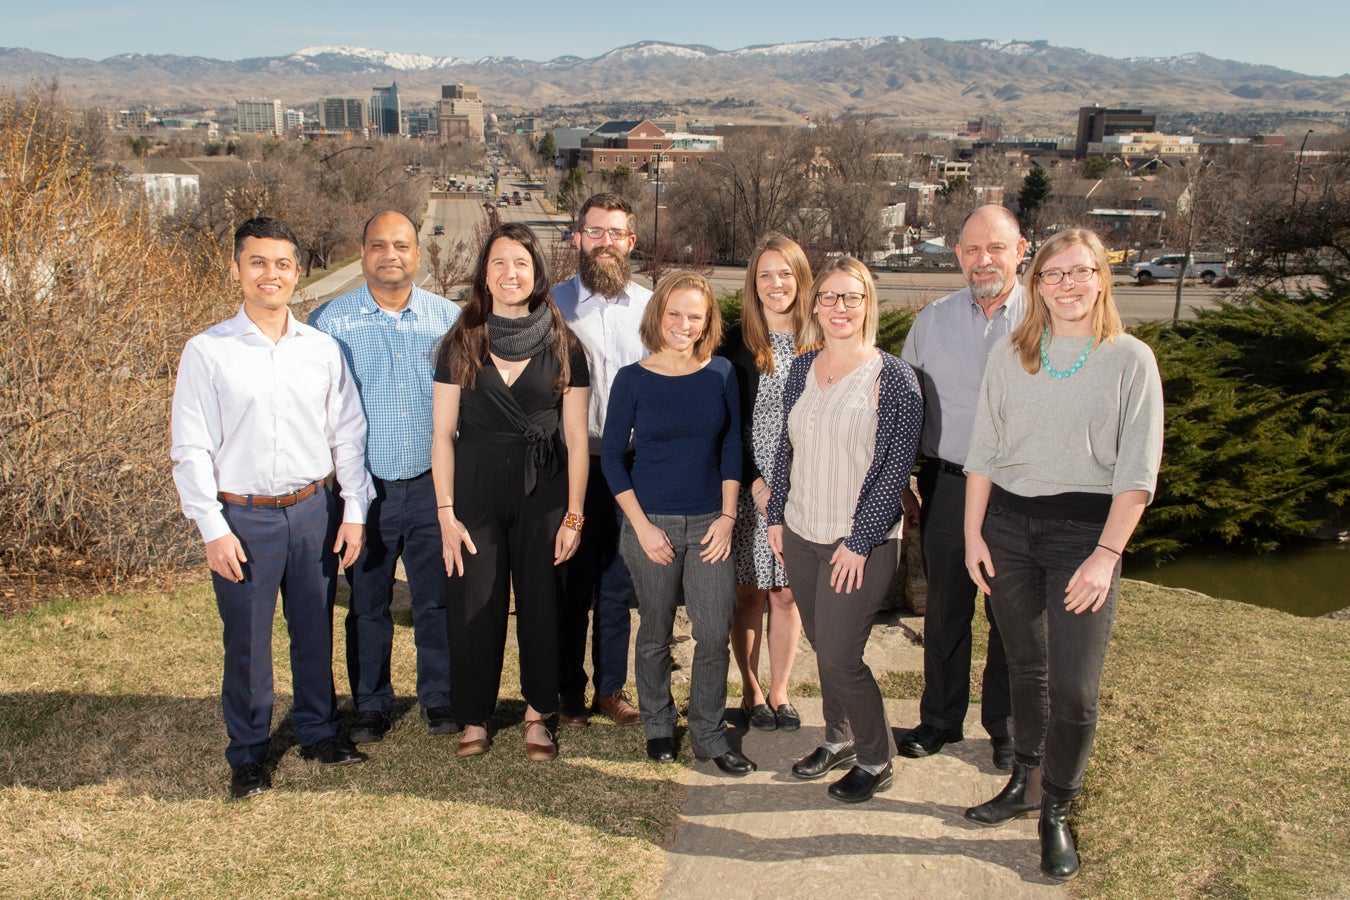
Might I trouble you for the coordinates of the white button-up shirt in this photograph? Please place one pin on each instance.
(255, 417)
(610, 332)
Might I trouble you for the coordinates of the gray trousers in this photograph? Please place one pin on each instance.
(838, 626)
(710, 600)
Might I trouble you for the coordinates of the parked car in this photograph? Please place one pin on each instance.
(1162, 267)
(439, 229)
(527, 196)
(502, 201)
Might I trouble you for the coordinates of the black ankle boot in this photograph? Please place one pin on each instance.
(1059, 857)
(1020, 796)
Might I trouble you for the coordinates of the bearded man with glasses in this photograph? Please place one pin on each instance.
(604, 308)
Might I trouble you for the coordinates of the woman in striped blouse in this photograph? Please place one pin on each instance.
(852, 415)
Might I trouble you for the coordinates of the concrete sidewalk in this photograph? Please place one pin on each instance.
(769, 835)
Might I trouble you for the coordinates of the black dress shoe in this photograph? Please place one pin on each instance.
(926, 740)
(333, 751)
(1021, 796)
(1003, 753)
(821, 761)
(733, 763)
(370, 725)
(759, 717)
(661, 749)
(249, 780)
(859, 785)
(788, 717)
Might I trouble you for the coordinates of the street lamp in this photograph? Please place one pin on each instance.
(1298, 169)
(656, 220)
(735, 184)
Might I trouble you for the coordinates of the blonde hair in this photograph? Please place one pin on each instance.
(650, 330)
(852, 267)
(754, 327)
(1106, 323)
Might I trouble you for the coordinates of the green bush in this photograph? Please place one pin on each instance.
(1257, 441)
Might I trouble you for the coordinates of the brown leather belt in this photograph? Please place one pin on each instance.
(281, 502)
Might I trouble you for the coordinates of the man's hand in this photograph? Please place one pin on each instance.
(352, 535)
(225, 555)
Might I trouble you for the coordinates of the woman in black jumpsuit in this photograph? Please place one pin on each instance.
(511, 381)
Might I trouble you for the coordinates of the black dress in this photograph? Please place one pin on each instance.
(511, 494)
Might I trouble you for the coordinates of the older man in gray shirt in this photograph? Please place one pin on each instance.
(948, 346)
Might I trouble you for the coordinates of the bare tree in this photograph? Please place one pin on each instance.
(854, 185)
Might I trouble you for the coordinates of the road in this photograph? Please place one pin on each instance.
(462, 215)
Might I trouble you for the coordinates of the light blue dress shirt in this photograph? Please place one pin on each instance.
(391, 359)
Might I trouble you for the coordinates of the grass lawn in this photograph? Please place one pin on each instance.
(1222, 769)
(113, 781)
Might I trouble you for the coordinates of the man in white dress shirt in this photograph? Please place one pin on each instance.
(604, 309)
(264, 410)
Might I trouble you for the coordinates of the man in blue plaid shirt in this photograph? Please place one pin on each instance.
(388, 330)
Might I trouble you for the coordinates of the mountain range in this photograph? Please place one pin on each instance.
(1022, 83)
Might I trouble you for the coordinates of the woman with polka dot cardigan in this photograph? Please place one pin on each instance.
(852, 415)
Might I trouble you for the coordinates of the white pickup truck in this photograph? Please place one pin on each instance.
(1207, 270)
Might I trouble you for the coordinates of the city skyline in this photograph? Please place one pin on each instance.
(542, 31)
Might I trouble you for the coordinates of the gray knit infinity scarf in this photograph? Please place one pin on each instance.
(523, 338)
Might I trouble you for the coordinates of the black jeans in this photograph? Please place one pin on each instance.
(1055, 657)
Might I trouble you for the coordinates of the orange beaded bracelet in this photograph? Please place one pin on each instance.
(574, 521)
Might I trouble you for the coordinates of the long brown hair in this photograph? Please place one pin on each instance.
(1106, 323)
(464, 348)
(754, 326)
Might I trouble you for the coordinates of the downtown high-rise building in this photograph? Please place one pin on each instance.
(386, 113)
(260, 116)
(342, 114)
(460, 114)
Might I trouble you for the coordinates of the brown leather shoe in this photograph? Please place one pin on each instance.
(618, 707)
(572, 710)
(475, 747)
(539, 752)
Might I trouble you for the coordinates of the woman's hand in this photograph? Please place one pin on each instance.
(910, 504)
(760, 494)
(848, 570)
(454, 541)
(776, 542)
(716, 542)
(1091, 582)
(979, 563)
(655, 543)
(565, 544)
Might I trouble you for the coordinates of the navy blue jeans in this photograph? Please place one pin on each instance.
(1055, 657)
(401, 523)
(290, 550)
(596, 578)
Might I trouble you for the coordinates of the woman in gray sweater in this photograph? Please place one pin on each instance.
(1063, 459)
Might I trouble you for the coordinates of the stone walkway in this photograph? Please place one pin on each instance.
(770, 835)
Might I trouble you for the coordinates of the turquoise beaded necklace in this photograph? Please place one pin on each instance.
(1078, 364)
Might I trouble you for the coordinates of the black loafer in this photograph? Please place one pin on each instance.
(733, 763)
(370, 725)
(788, 717)
(1003, 753)
(439, 720)
(926, 740)
(661, 749)
(859, 785)
(333, 751)
(760, 717)
(822, 761)
(249, 780)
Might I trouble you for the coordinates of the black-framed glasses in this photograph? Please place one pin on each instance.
(595, 232)
(852, 299)
(1079, 274)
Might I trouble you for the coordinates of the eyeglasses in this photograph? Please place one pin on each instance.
(852, 299)
(1077, 273)
(595, 232)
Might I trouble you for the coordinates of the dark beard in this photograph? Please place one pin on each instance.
(606, 275)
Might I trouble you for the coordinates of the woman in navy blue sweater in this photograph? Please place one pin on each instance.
(678, 411)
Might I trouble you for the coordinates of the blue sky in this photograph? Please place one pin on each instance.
(1302, 36)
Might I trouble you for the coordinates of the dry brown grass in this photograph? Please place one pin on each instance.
(112, 781)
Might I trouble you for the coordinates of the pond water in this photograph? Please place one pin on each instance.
(1306, 580)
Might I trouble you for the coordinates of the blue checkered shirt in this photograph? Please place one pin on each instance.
(391, 360)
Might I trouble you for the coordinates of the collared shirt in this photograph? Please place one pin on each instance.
(948, 346)
(390, 358)
(255, 417)
(609, 330)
